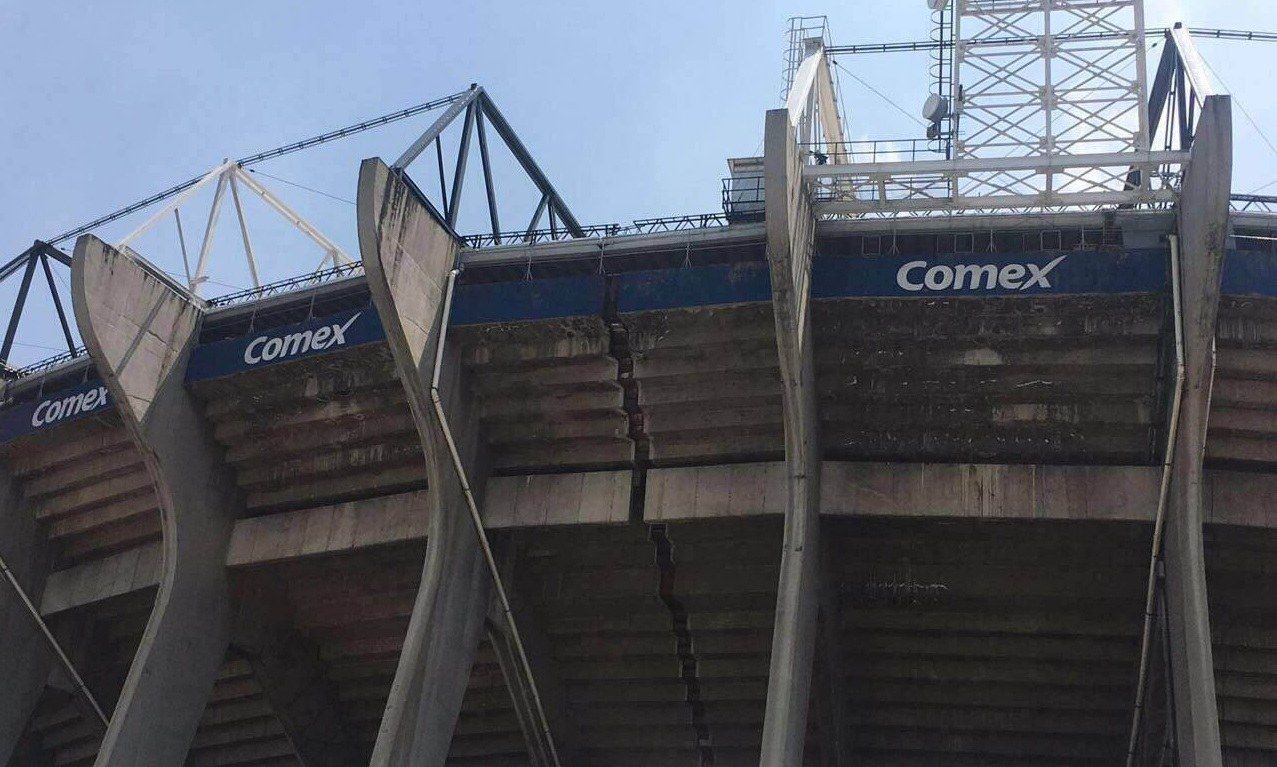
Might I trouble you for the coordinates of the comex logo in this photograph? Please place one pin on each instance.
(53, 410)
(267, 348)
(975, 276)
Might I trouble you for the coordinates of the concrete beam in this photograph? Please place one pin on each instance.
(990, 491)
(595, 497)
(329, 529)
(101, 579)
(791, 231)
(25, 661)
(139, 328)
(1203, 239)
(407, 255)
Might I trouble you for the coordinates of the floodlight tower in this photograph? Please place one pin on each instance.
(1048, 79)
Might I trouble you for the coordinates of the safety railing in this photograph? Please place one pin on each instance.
(288, 285)
(39, 366)
(880, 150)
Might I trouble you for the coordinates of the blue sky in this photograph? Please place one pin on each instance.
(631, 108)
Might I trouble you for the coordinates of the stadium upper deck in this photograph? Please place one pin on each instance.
(804, 489)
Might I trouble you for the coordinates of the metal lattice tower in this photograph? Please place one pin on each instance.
(805, 33)
(1045, 78)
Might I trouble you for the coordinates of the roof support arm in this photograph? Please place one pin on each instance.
(410, 258)
(791, 227)
(1203, 236)
(137, 325)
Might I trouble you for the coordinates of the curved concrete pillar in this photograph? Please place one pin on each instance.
(26, 661)
(139, 328)
(407, 255)
(1203, 240)
(790, 248)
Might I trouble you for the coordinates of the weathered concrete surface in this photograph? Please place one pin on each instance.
(549, 679)
(25, 660)
(791, 228)
(139, 329)
(991, 491)
(407, 256)
(1203, 240)
(329, 529)
(292, 676)
(317, 431)
(596, 497)
(113, 576)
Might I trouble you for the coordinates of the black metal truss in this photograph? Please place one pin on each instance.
(1173, 98)
(35, 257)
(269, 154)
(1263, 203)
(477, 111)
(480, 113)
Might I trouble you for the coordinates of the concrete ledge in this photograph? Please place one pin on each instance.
(705, 492)
(102, 579)
(329, 529)
(597, 497)
(990, 491)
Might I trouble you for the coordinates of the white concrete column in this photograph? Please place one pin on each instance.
(1203, 238)
(139, 328)
(791, 230)
(407, 256)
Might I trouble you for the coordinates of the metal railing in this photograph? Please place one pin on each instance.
(879, 150)
(290, 284)
(637, 226)
(1253, 203)
(534, 236)
(40, 366)
(743, 198)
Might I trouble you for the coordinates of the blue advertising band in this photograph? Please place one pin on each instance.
(54, 409)
(988, 274)
(991, 274)
(1247, 273)
(285, 343)
(973, 275)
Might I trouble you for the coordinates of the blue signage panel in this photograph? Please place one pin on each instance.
(1247, 273)
(990, 274)
(524, 300)
(53, 410)
(713, 285)
(976, 274)
(286, 343)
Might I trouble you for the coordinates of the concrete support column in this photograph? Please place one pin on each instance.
(407, 256)
(791, 230)
(139, 328)
(1203, 238)
(292, 676)
(25, 661)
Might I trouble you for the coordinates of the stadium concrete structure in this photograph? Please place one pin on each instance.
(846, 475)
